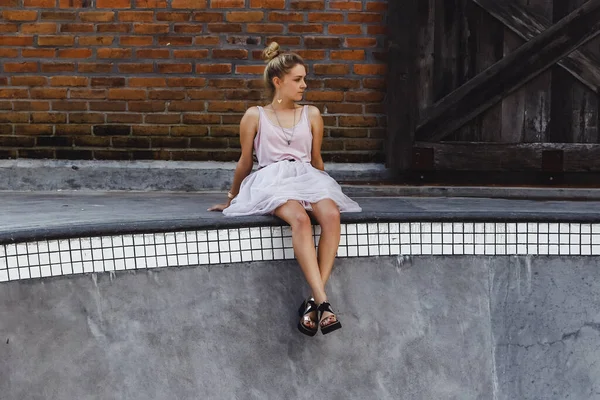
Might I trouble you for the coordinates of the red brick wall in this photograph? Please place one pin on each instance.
(170, 79)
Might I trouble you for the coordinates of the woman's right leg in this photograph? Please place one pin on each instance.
(295, 215)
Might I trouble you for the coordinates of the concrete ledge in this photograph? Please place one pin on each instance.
(43, 175)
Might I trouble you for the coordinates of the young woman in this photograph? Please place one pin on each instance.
(290, 182)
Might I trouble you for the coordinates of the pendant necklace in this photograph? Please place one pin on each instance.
(288, 139)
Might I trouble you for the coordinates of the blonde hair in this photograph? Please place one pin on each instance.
(279, 63)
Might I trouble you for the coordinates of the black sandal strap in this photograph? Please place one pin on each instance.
(310, 306)
(325, 306)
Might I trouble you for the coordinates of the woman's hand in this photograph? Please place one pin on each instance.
(220, 207)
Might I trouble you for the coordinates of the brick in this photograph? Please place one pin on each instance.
(206, 94)
(166, 95)
(331, 69)
(224, 130)
(377, 108)
(152, 53)
(87, 94)
(377, 6)
(227, 3)
(10, 3)
(36, 153)
(73, 3)
(342, 83)
(136, 16)
(345, 5)
(243, 94)
(74, 154)
(70, 81)
(17, 141)
(213, 68)
(312, 42)
(227, 83)
(21, 67)
(10, 28)
(150, 3)
(31, 105)
(57, 67)
(361, 42)
(38, 53)
(136, 68)
(170, 142)
(111, 155)
(305, 28)
(357, 120)
(273, 4)
(69, 105)
(147, 106)
(206, 40)
(244, 16)
(347, 55)
(208, 17)
(189, 130)
(324, 96)
(250, 69)
(224, 28)
(348, 132)
(76, 28)
(18, 15)
(209, 143)
(56, 40)
(149, 130)
(108, 106)
(97, 16)
(239, 54)
(147, 82)
(74, 53)
(136, 41)
(73, 129)
(111, 130)
(88, 141)
(365, 17)
(113, 53)
(96, 40)
(186, 106)
(48, 93)
(376, 30)
(284, 40)
(172, 68)
(94, 67)
(58, 16)
(113, 3)
(370, 69)
(227, 106)
(113, 28)
(124, 118)
(174, 41)
(150, 28)
(264, 28)
(54, 141)
(126, 94)
(187, 28)
(40, 27)
(195, 54)
(308, 5)
(276, 16)
(192, 4)
(16, 40)
(28, 81)
(364, 96)
(14, 117)
(325, 17)
(131, 141)
(186, 82)
(172, 16)
(345, 29)
(9, 53)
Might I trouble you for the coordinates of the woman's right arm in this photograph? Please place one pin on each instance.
(248, 129)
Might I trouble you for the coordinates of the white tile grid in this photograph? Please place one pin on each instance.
(142, 251)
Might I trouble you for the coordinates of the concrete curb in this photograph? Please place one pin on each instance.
(49, 175)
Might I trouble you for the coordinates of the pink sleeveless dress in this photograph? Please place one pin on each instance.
(285, 172)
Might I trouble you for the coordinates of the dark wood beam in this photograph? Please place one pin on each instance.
(527, 25)
(401, 99)
(510, 73)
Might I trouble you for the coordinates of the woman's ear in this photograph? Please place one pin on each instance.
(276, 82)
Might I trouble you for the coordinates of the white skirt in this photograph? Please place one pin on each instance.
(272, 186)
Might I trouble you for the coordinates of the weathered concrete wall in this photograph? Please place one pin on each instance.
(422, 328)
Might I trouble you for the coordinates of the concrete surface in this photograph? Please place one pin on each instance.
(421, 328)
(45, 215)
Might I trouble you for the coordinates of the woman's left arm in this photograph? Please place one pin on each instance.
(316, 125)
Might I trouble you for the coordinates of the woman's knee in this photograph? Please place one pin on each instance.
(330, 215)
(300, 220)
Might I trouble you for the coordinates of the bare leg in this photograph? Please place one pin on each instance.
(327, 215)
(295, 215)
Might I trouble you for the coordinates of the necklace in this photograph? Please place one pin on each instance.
(288, 138)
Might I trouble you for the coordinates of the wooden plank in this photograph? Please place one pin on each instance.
(514, 70)
(426, 53)
(580, 63)
(401, 99)
(517, 157)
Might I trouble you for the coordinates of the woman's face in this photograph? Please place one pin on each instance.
(292, 86)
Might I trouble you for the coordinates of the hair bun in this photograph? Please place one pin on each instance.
(272, 51)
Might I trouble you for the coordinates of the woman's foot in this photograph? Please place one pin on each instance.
(327, 319)
(308, 313)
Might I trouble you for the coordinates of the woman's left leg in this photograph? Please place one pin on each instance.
(327, 214)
